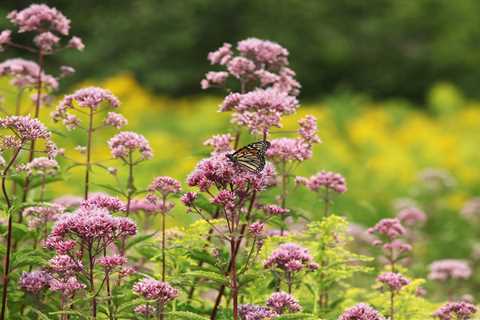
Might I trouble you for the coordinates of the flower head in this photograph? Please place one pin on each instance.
(471, 210)
(25, 73)
(40, 215)
(103, 201)
(91, 97)
(111, 262)
(392, 228)
(26, 127)
(261, 109)
(188, 199)
(361, 311)
(45, 41)
(394, 281)
(214, 79)
(115, 120)
(34, 281)
(38, 16)
(274, 210)
(145, 310)
(222, 55)
(263, 51)
(456, 310)
(155, 290)
(90, 224)
(66, 286)
(443, 270)
(127, 142)
(76, 43)
(256, 228)
(64, 264)
(289, 257)
(218, 170)
(412, 216)
(325, 179)
(165, 185)
(282, 302)
(220, 143)
(42, 166)
(5, 37)
(254, 312)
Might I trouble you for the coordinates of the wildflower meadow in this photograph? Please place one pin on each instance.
(119, 204)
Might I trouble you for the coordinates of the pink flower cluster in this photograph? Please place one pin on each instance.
(256, 228)
(282, 302)
(145, 310)
(444, 270)
(290, 257)
(37, 16)
(111, 262)
(324, 179)
(220, 143)
(259, 63)
(115, 120)
(220, 172)
(391, 228)
(164, 185)
(254, 312)
(40, 215)
(361, 311)
(91, 97)
(213, 79)
(394, 281)
(42, 166)
(155, 290)
(34, 281)
(25, 73)
(274, 210)
(103, 201)
(25, 128)
(412, 216)
(144, 205)
(456, 311)
(188, 199)
(5, 38)
(67, 286)
(128, 142)
(471, 210)
(259, 110)
(298, 149)
(93, 224)
(65, 265)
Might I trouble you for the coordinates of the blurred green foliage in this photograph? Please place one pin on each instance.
(380, 47)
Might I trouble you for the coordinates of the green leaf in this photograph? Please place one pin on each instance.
(19, 230)
(40, 314)
(107, 187)
(185, 315)
(208, 275)
(139, 239)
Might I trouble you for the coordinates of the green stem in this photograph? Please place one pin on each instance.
(6, 264)
(89, 153)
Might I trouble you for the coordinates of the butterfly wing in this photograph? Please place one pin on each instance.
(252, 156)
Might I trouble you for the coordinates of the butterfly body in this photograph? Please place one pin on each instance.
(251, 157)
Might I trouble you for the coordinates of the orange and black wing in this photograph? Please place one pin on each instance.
(252, 156)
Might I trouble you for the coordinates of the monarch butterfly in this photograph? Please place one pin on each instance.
(251, 157)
